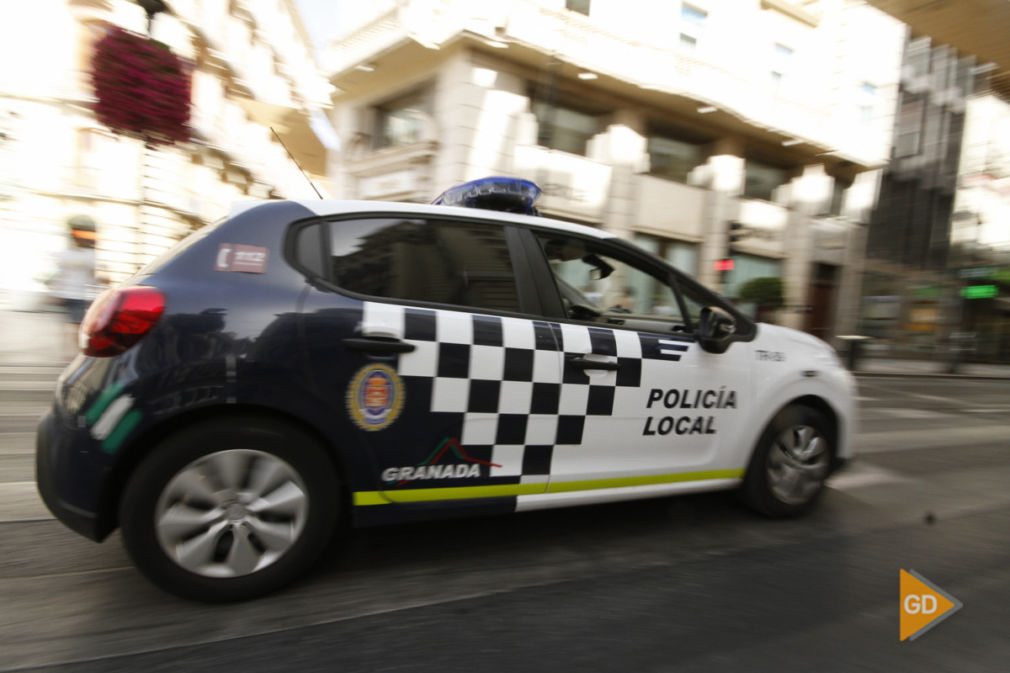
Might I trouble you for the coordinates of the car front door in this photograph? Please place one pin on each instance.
(448, 366)
(642, 401)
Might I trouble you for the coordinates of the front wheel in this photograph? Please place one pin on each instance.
(230, 510)
(787, 472)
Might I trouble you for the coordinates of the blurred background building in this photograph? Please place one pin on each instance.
(702, 130)
(253, 70)
(939, 240)
(979, 257)
(907, 297)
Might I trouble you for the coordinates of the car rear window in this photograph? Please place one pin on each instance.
(414, 259)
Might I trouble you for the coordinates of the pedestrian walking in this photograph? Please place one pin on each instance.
(74, 285)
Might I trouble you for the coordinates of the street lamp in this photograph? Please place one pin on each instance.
(152, 7)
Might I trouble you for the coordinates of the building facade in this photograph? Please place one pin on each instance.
(702, 130)
(942, 222)
(253, 76)
(980, 226)
(911, 224)
(981, 219)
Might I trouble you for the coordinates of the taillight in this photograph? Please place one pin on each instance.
(118, 319)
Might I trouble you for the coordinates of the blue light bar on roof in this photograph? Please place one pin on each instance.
(510, 195)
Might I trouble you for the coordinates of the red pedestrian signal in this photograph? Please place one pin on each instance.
(723, 265)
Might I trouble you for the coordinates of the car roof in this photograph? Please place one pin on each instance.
(341, 207)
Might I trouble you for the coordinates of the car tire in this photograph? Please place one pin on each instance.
(230, 509)
(790, 463)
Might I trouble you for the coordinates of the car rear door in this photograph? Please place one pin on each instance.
(422, 332)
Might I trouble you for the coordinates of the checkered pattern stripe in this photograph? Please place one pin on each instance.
(512, 381)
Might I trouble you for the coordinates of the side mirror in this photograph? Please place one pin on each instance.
(716, 328)
(580, 312)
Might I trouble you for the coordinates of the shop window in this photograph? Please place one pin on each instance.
(761, 180)
(679, 254)
(747, 268)
(580, 6)
(673, 158)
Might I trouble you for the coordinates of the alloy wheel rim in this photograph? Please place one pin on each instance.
(797, 464)
(231, 513)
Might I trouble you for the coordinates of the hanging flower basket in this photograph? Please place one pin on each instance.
(143, 89)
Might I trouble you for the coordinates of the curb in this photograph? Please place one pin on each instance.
(931, 375)
(21, 364)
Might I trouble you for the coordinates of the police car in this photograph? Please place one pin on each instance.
(303, 363)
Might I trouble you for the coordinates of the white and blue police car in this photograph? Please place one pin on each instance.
(300, 363)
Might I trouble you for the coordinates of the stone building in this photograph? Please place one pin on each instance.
(253, 71)
(753, 130)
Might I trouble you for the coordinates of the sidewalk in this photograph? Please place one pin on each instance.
(871, 366)
(34, 338)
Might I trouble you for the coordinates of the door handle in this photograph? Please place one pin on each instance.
(378, 345)
(580, 362)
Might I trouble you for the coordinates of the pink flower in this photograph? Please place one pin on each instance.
(143, 89)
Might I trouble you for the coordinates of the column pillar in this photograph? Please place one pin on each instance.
(723, 174)
(808, 195)
(857, 208)
(623, 147)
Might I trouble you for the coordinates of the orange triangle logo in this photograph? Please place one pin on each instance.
(923, 605)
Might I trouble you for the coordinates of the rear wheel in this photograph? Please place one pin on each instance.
(230, 509)
(790, 464)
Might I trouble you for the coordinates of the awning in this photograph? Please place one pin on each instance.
(295, 129)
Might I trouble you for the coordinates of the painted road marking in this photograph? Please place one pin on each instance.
(917, 414)
(861, 475)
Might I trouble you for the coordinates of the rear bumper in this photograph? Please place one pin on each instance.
(77, 519)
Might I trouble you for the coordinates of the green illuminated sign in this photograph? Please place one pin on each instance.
(979, 292)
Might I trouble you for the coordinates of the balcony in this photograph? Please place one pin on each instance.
(764, 225)
(573, 186)
(669, 209)
(401, 172)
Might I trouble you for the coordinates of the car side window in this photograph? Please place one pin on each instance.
(415, 259)
(309, 249)
(600, 284)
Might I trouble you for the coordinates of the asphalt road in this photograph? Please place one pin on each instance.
(695, 583)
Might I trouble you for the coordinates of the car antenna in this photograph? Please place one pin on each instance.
(307, 178)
